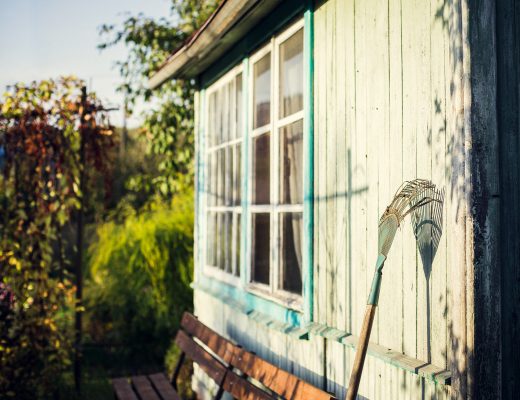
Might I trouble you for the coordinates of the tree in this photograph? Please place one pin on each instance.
(43, 126)
(168, 127)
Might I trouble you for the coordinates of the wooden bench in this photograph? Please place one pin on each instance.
(235, 370)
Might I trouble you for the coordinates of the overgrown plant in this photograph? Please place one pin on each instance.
(141, 272)
(42, 126)
(168, 126)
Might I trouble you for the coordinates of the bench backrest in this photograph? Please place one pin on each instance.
(277, 380)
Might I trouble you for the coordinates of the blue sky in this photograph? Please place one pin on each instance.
(42, 39)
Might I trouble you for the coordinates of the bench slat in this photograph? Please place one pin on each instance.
(163, 387)
(276, 379)
(241, 388)
(123, 390)
(144, 388)
(219, 345)
(209, 364)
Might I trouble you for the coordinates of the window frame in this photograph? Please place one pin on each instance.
(272, 291)
(238, 139)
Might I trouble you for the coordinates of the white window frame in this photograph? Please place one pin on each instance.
(271, 291)
(211, 270)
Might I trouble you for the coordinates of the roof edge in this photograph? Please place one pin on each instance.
(203, 40)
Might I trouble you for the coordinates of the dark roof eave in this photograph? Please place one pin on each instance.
(231, 21)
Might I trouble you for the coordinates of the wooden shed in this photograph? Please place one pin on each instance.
(309, 116)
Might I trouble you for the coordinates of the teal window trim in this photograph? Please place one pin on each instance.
(308, 149)
(247, 301)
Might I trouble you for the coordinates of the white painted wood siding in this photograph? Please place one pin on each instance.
(381, 82)
(387, 109)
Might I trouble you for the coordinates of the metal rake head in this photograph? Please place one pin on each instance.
(410, 196)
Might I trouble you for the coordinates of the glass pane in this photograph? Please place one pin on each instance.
(226, 127)
(220, 177)
(228, 191)
(260, 248)
(262, 91)
(237, 175)
(221, 241)
(218, 117)
(211, 178)
(238, 107)
(261, 169)
(228, 241)
(291, 252)
(211, 119)
(291, 75)
(211, 255)
(291, 163)
(238, 229)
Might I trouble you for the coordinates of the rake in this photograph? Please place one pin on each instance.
(409, 197)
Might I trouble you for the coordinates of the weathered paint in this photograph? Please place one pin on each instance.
(308, 151)
(401, 60)
(304, 358)
(388, 106)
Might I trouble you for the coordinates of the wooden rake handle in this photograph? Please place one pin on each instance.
(364, 337)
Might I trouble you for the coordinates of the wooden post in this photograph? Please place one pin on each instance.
(79, 245)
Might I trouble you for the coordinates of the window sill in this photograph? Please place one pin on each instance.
(226, 277)
(285, 299)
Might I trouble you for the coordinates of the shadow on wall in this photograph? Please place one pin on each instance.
(247, 339)
(427, 227)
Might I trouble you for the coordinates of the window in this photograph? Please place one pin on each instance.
(224, 174)
(276, 166)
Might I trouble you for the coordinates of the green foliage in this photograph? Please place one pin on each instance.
(42, 128)
(141, 272)
(169, 124)
(184, 380)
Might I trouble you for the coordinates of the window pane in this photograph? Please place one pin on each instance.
(211, 178)
(237, 175)
(211, 256)
(228, 240)
(218, 117)
(261, 169)
(238, 108)
(262, 91)
(221, 240)
(238, 229)
(291, 163)
(228, 194)
(226, 126)
(291, 252)
(221, 166)
(291, 75)
(260, 248)
(211, 119)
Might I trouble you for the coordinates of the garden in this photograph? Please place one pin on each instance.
(96, 221)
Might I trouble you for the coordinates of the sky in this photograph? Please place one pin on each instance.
(42, 39)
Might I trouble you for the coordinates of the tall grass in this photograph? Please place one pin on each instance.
(140, 272)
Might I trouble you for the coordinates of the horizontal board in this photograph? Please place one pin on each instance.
(123, 390)
(195, 352)
(163, 387)
(144, 388)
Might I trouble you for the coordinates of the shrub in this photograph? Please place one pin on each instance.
(140, 275)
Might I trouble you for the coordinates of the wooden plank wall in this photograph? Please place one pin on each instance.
(386, 110)
(322, 362)
(382, 108)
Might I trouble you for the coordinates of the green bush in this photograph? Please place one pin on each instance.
(140, 272)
